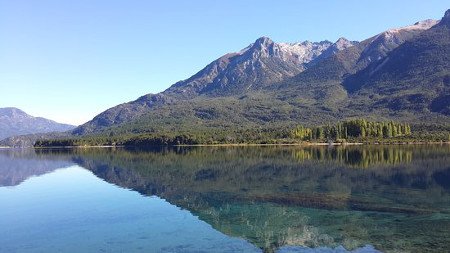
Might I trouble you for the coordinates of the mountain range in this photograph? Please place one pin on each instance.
(401, 74)
(15, 122)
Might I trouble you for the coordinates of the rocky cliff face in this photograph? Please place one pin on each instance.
(256, 66)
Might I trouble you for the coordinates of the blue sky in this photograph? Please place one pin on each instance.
(70, 60)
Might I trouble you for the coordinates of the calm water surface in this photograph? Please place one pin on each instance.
(254, 199)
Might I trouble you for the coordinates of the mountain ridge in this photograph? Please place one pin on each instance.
(271, 83)
(262, 62)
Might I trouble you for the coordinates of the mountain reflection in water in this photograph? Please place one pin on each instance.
(393, 198)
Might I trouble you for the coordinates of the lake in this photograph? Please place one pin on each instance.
(226, 199)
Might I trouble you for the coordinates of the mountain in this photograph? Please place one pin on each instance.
(400, 74)
(255, 67)
(15, 122)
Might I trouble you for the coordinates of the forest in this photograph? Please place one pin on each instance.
(350, 131)
(358, 128)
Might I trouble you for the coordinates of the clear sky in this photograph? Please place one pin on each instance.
(69, 60)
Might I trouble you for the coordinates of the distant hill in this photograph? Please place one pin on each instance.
(401, 74)
(14, 122)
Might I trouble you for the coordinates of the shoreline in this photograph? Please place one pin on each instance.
(250, 145)
(314, 144)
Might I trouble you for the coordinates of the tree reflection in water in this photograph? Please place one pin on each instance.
(396, 198)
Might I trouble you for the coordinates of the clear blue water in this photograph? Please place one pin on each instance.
(71, 210)
(357, 199)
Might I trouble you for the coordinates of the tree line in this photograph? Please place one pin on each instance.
(358, 128)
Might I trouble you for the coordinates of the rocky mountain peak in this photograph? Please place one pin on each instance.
(342, 40)
(262, 47)
(263, 41)
(343, 43)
